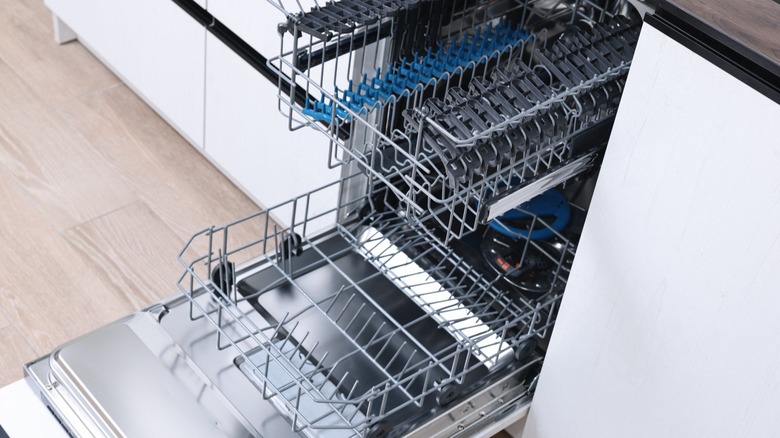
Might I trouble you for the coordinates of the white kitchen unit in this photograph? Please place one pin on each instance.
(217, 101)
(153, 46)
(22, 415)
(669, 325)
(254, 22)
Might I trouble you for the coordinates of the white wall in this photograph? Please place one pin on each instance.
(670, 326)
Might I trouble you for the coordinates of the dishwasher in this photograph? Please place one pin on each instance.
(468, 134)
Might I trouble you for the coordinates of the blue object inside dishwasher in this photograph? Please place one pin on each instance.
(519, 221)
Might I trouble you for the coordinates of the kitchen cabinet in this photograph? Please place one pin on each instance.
(244, 131)
(669, 323)
(153, 46)
(254, 22)
(217, 101)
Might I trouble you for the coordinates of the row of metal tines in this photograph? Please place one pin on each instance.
(517, 89)
(461, 54)
(345, 16)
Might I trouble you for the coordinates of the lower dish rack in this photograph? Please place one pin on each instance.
(366, 327)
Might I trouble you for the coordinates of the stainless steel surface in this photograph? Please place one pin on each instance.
(196, 340)
(74, 418)
(92, 366)
(133, 379)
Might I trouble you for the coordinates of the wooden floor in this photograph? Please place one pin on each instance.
(97, 193)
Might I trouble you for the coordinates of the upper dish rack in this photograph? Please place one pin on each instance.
(349, 330)
(466, 115)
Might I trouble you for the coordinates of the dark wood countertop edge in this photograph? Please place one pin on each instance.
(735, 60)
(690, 18)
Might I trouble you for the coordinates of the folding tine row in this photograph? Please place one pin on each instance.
(399, 79)
(576, 57)
(497, 120)
(346, 16)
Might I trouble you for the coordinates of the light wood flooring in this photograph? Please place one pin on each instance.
(97, 193)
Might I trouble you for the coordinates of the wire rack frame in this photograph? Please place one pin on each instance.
(368, 11)
(339, 47)
(412, 169)
(239, 326)
(314, 70)
(363, 124)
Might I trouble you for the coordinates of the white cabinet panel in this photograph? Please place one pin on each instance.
(671, 320)
(152, 45)
(22, 414)
(248, 138)
(255, 21)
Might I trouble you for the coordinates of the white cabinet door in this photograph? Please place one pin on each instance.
(670, 324)
(255, 21)
(248, 138)
(154, 46)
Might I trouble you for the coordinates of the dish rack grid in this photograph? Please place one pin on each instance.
(448, 139)
(490, 327)
(326, 18)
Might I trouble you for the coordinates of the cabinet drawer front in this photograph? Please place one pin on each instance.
(254, 21)
(154, 46)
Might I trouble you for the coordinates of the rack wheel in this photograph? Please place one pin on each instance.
(524, 349)
(222, 276)
(291, 246)
(447, 394)
(379, 430)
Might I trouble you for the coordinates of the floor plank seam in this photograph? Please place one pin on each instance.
(102, 215)
(168, 227)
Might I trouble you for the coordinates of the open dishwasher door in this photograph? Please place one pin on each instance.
(669, 324)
